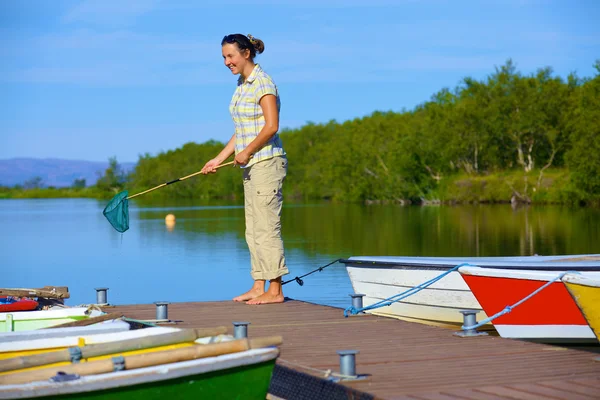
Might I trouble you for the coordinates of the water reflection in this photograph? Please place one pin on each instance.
(442, 231)
(202, 255)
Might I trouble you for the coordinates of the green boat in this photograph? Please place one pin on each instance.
(244, 375)
(32, 320)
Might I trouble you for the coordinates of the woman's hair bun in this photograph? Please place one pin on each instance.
(258, 44)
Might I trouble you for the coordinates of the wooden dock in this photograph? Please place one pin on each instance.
(400, 360)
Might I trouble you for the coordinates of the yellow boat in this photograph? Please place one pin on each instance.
(19, 356)
(586, 293)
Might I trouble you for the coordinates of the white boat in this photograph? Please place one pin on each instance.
(380, 277)
(31, 320)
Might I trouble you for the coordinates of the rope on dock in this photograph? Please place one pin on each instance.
(508, 309)
(396, 298)
(299, 280)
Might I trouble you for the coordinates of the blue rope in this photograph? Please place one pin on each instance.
(508, 309)
(396, 298)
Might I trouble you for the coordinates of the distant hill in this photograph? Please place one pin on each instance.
(53, 171)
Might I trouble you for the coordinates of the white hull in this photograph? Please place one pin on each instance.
(57, 313)
(22, 321)
(110, 326)
(439, 303)
(547, 333)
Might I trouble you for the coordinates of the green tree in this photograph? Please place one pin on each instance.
(79, 183)
(114, 177)
(582, 158)
(34, 183)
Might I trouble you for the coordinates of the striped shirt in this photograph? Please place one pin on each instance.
(248, 117)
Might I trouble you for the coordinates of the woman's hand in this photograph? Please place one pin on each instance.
(242, 158)
(210, 167)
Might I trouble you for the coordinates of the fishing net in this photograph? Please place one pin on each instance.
(117, 212)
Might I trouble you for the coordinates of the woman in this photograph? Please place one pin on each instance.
(258, 150)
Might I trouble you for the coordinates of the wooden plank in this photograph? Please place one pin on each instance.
(573, 387)
(49, 292)
(407, 397)
(539, 390)
(472, 394)
(590, 382)
(61, 289)
(512, 393)
(434, 396)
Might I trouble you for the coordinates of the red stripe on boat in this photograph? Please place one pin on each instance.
(551, 306)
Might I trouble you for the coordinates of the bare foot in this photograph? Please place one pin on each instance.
(249, 295)
(266, 298)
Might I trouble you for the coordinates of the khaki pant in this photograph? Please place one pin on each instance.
(263, 201)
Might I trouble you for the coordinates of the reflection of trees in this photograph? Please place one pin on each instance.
(343, 230)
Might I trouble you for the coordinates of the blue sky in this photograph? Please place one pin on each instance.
(92, 79)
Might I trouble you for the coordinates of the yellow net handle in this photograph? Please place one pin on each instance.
(176, 180)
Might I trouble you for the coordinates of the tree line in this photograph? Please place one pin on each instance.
(526, 125)
(523, 136)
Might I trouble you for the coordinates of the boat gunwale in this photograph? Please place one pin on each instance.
(42, 315)
(548, 263)
(521, 274)
(104, 327)
(582, 280)
(92, 338)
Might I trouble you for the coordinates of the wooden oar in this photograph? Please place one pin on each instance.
(144, 360)
(49, 292)
(87, 321)
(101, 349)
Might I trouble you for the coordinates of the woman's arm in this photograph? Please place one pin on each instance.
(227, 150)
(210, 166)
(268, 103)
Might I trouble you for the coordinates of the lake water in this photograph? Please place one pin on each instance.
(68, 242)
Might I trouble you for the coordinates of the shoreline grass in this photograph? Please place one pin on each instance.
(554, 187)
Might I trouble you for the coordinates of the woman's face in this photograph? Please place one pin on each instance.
(234, 60)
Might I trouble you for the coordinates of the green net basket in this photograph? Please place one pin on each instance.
(117, 212)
